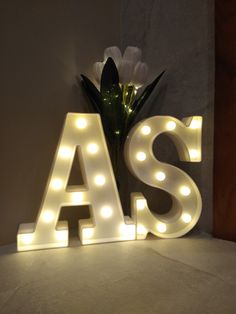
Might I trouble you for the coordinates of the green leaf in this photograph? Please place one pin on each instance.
(93, 93)
(112, 107)
(96, 100)
(110, 75)
(138, 103)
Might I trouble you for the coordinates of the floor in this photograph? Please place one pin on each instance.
(192, 275)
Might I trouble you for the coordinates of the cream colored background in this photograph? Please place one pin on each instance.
(44, 44)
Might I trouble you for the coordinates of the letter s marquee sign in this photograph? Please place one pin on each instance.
(107, 222)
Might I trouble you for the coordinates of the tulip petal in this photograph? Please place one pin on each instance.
(132, 54)
(140, 74)
(114, 53)
(97, 70)
(125, 70)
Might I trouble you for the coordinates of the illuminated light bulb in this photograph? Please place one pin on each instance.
(56, 184)
(61, 235)
(64, 152)
(146, 130)
(127, 230)
(92, 148)
(106, 212)
(88, 232)
(195, 124)
(140, 204)
(77, 197)
(27, 238)
(141, 156)
(186, 218)
(194, 153)
(161, 227)
(141, 229)
(48, 216)
(171, 125)
(81, 123)
(160, 176)
(184, 190)
(99, 180)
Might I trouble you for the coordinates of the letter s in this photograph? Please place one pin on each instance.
(186, 199)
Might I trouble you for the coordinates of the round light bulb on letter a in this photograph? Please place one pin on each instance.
(99, 180)
(48, 216)
(106, 212)
(27, 238)
(88, 232)
(65, 152)
(81, 123)
(141, 204)
(56, 184)
(92, 148)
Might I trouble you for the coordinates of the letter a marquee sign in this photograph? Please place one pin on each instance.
(107, 222)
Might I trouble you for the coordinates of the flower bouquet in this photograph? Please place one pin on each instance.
(117, 98)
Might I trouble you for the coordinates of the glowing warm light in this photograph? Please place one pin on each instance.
(27, 238)
(161, 227)
(141, 156)
(160, 176)
(65, 152)
(186, 218)
(140, 204)
(99, 180)
(171, 125)
(127, 230)
(48, 216)
(77, 197)
(81, 123)
(62, 235)
(194, 153)
(86, 132)
(141, 229)
(98, 171)
(57, 184)
(185, 195)
(185, 190)
(88, 232)
(106, 212)
(146, 130)
(92, 148)
(196, 123)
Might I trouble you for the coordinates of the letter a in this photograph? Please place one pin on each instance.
(107, 222)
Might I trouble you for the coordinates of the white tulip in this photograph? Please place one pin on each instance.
(140, 74)
(97, 70)
(132, 54)
(130, 68)
(113, 52)
(125, 70)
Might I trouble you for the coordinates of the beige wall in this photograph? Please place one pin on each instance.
(177, 36)
(44, 44)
